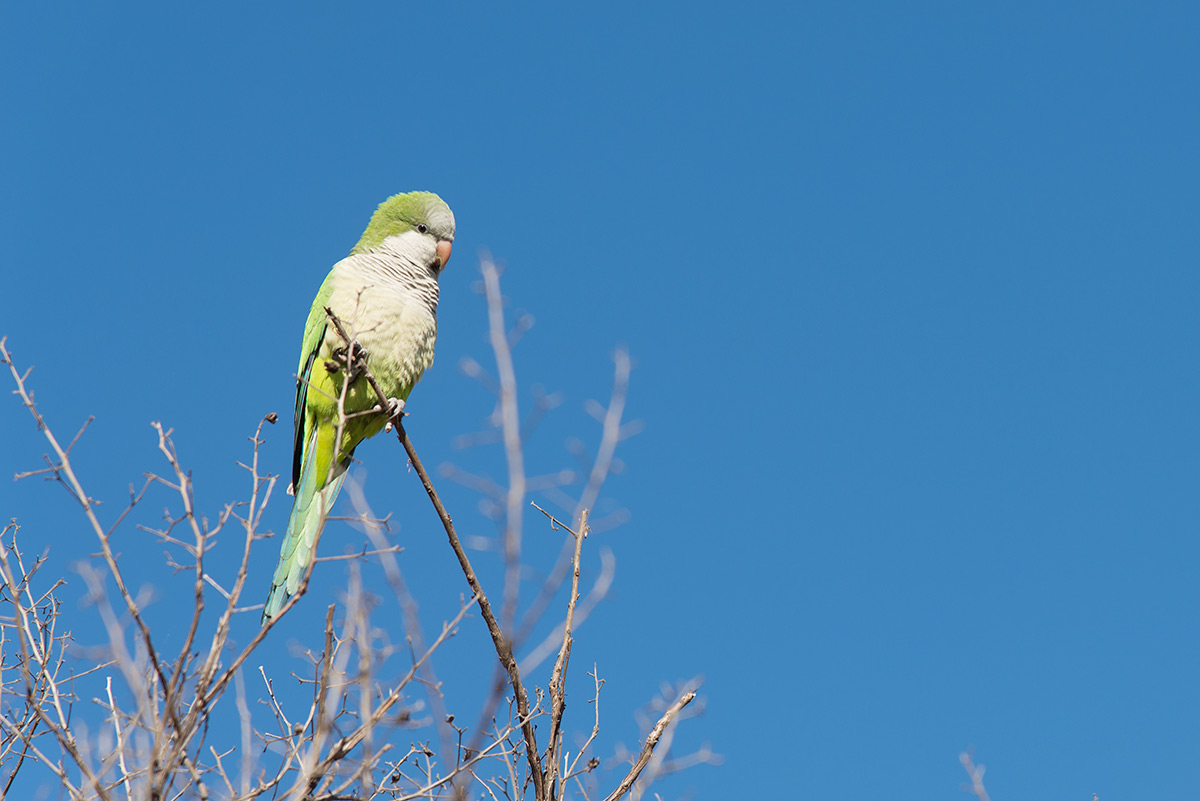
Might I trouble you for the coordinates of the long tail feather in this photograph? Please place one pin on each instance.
(309, 511)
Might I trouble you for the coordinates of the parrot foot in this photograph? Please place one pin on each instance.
(394, 411)
(341, 358)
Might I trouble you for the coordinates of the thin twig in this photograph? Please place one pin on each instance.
(120, 740)
(558, 695)
(651, 742)
(510, 426)
(975, 772)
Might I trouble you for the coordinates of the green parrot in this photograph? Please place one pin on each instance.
(385, 293)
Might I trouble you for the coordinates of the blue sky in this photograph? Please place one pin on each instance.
(911, 292)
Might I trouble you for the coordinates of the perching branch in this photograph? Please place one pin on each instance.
(501, 643)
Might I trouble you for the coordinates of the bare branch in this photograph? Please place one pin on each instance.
(975, 772)
(510, 426)
(648, 747)
(558, 696)
(503, 647)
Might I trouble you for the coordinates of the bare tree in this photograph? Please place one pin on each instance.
(200, 719)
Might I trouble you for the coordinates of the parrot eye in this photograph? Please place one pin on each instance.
(423, 228)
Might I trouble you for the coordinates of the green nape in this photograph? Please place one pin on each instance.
(397, 214)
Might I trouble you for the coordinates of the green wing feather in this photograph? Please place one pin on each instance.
(314, 336)
(310, 464)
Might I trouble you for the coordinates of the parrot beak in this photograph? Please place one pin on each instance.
(443, 252)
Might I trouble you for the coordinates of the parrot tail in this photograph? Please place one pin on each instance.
(309, 512)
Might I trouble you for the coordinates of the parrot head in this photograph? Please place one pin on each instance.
(422, 216)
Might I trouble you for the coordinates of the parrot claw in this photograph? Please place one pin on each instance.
(341, 359)
(394, 411)
(360, 358)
